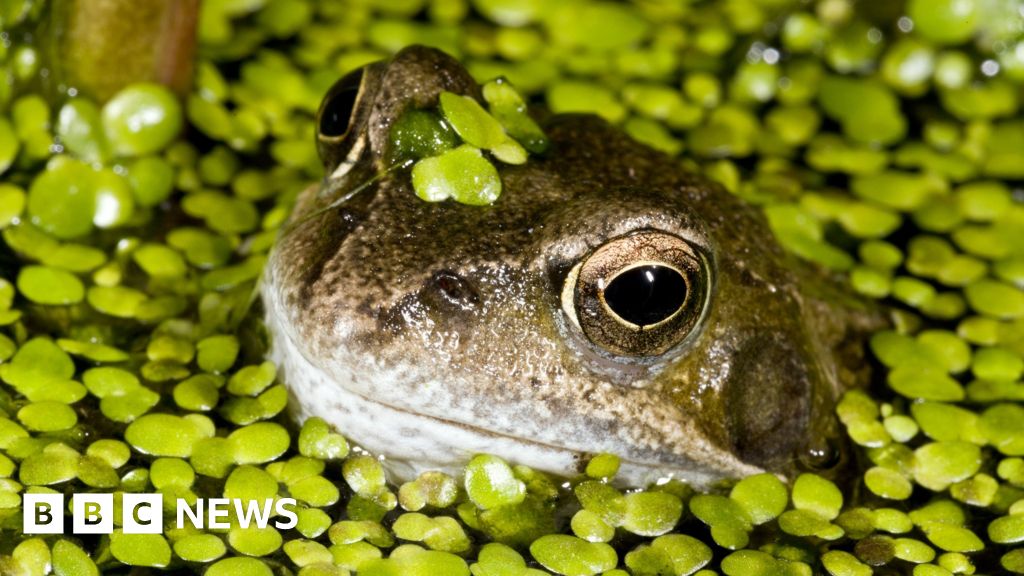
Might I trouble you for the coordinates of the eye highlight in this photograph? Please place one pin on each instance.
(639, 295)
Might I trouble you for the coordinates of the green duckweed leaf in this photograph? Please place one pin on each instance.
(462, 174)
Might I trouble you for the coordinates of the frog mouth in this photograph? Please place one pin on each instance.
(412, 443)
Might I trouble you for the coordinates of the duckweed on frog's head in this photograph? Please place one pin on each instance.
(607, 301)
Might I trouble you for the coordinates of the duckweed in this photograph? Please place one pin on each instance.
(50, 286)
(817, 495)
(258, 443)
(32, 555)
(70, 560)
(113, 452)
(140, 549)
(239, 566)
(364, 475)
(254, 541)
(47, 416)
(199, 548)
(673, 553)
(462, 174)
(317, 441)
(471, 122)
(589, 526)
(166, 434)
(217, 353)
(441, 533)
(54, 464)
(937, 465)
(151, 179)
(314, 491)
(883, 147)
(509, 109)
(762, 496)
(62, 200)
(572, 556)
(952, 538)
(79, 129)
(141, 119)
(159, 261)
(888, 483)
(490, 483)
(729, 522)
(603, 466)
(840, 563)
(651, 513)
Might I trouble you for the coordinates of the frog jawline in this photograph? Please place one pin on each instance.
(415, 443)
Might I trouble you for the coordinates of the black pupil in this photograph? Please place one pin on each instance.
(337, 111)
(646, 295)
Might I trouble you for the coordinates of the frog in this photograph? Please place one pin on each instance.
(608, 301)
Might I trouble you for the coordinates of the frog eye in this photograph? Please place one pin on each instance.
(640, 294)
(335, 116)
(341, 122)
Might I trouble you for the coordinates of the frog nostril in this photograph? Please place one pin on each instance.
(454, 289)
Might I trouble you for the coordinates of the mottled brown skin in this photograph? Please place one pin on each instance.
(455, 312)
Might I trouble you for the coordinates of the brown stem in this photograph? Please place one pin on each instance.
(100, 46)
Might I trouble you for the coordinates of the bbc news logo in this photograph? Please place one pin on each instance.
(144, 513)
